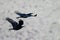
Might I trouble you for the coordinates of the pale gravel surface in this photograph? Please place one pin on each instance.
(46, 26)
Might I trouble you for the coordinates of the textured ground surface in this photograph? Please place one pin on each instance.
(46, 26)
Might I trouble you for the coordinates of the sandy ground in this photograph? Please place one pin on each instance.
(46, 26)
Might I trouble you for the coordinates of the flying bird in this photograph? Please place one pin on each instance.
(15, 25)
(22, 15)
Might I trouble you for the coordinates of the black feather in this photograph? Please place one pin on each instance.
(23, 15)
(15, 25)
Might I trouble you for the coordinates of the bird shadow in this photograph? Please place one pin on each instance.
(15, 25)
(23, 15)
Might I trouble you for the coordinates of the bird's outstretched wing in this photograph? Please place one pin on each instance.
(22, 15)
(13, 23)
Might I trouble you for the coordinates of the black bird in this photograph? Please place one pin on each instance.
(16, 26)
(25, 15)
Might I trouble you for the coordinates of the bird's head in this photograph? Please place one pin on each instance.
(21, 22)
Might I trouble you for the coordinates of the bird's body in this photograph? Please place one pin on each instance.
(15, 25)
